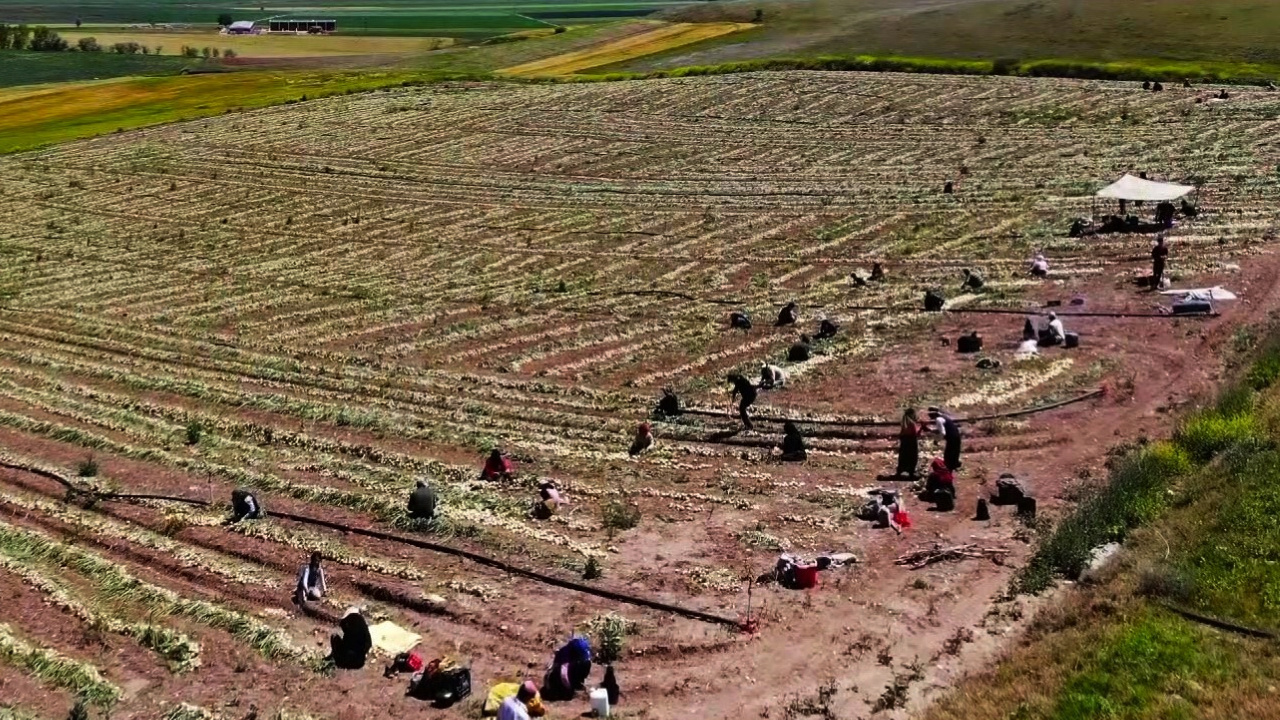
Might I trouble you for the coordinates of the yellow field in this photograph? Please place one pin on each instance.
(269, 46)
(663, 37)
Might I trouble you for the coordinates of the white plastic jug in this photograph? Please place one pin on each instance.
(600, 702)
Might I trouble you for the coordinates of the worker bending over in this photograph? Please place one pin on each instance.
(772, 376)
(945, 426)
(643, 441)
(793, 449)
(244, 506)
(350, 647)
(972, 280)
(788, 315)
(497, 467)
(422, 501)
(1040, 266)
(743, 388)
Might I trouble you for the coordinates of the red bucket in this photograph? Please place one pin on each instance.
(806, 576)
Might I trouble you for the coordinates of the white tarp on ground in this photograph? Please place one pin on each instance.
(392, 639)
(1214, 293)
(1135, 188)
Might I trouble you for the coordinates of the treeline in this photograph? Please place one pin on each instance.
(42, 39)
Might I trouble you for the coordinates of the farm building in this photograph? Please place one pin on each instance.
(241, 27)
(311, 26)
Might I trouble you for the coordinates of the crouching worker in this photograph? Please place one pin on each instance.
(497, 467)
(568, 672)
(669, 405)
(422, 502)
(1040, 266)
(350, 647)
(643, 441)
(800, 352)
(772, 376)
(940, 486)
(244, 506)
(1053, 333)
(311, 583)
(549, 500)
(509, 701)
(793, 449)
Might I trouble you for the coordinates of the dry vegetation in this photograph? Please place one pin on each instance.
(344, 294)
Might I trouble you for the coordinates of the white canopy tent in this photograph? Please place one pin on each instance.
(1136, 188)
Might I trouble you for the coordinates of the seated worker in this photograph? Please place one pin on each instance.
(739, 321)
(244, 506)
(422, 501)
(772, 376)
(497, 467)
(669, 405)
(1040, 266)
(940, 486)
(877, 271)
(800, 352)
(972, 280)
(827, 330)
(526, 693)
(568, 672)
(643, 441)
(933, 301)
(1053, 333)
(311, 583)
(788, 315)
(350, 647)
(793, 449)
(549, 498)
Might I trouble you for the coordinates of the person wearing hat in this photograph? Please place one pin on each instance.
(945, 426)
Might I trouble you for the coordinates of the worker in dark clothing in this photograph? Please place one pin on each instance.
(788, 315)
(972, 280)
(739, 321)
(244, 506)
(908, 444)
(1164, 214)
(1159, 255)
(742, 387)
(945, 426)
(793, 449)
(422, 501)
(350, 647)
(669, 405)
(827, 330)
(877, 272)
(800, 352)
(933, 301)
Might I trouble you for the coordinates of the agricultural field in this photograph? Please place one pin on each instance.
(268, 46)
(327, 300)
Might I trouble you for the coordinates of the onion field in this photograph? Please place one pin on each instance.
(328, 300)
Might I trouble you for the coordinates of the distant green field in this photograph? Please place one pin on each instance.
(32, 68)
(385, 17)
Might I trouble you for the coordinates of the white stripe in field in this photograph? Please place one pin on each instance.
(1012, 386)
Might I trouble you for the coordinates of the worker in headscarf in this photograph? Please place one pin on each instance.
(669, 405)
(877, 271)
(743, 388)
(772, 376)
(788, 315)
(1054, 333)
(1159, 255)
(908, 444)
(497, 467)
(422, 501)
(800, 352)
(350, 647)
(739, 321)
(972, 280)
(311, 582)
(244, 506)
(1039, 266)
(945, 426)
(827, 329)
(643, 440)
(569, 670)
(511, 701)
(940, 486)
(793, 449)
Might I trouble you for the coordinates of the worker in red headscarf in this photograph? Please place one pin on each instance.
(940, 486)
(643, 441)
(497, 467)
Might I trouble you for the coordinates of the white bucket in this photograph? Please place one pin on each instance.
(600, 702)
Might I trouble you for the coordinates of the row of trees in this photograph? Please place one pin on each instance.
(39, 38)
(206, 52)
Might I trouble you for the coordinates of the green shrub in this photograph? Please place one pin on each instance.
(194, 431)
(87, 467)
(1208, 433)
(618, 515)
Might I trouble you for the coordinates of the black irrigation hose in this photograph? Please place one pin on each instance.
(894, 423)
(1217, 623)
(1002, 311)
(422, 544)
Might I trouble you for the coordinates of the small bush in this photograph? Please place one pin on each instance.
(609, 633)
(229, 53)
(1166, 583)
(88, 45)
(194, 431)
(618, 515)
(87, 467)
(1206, 434)
(592, 570)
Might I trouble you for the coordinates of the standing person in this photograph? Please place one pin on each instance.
(909, 444)
(1159, 255)
(945, 426)
(497, 467)
(311, 582)
(422, 501)
(743, 387)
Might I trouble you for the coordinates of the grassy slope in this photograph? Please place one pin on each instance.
(1231, 31)
(30, 120)
(1114, 649)
(29, 68)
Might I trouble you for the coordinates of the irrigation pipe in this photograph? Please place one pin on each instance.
(1002, 311)
(894, 423)
(422, 544)
(1217, 623)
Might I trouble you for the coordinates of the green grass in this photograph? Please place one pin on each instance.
(32, 68)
